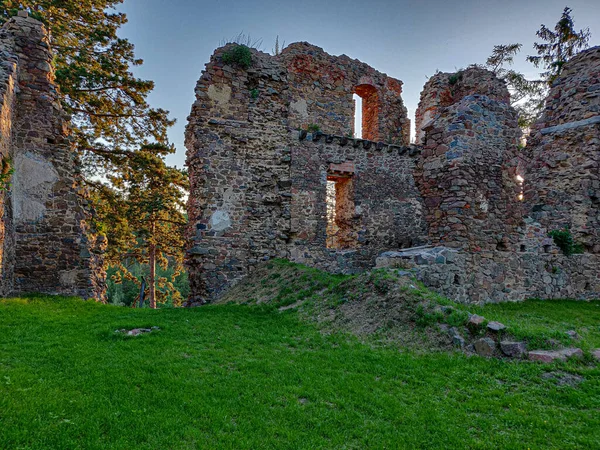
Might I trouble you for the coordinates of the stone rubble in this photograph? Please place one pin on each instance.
(548, 356)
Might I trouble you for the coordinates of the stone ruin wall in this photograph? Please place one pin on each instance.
(506, 254)
(562, 157)
(46, 245)
(258, 184)
(449, 210)
(465, 175)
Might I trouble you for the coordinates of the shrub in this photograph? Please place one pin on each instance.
(239, 55)
(564, 240)
(313, 128)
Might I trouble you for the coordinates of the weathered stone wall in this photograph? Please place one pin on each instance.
(562, 157)
(484, 277)
(53, 250)
(321, 88)
(258, 190)
(8, 82)
(487, 245)
(449, 210)
(387, 211)
(465, 175)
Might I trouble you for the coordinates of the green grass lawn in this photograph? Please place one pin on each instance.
(234, 376)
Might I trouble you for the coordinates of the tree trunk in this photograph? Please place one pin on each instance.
(152, 278)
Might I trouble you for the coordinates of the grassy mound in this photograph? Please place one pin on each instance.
(382, 306)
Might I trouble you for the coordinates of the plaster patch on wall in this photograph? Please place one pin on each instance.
(220, 95)
(32, 185)
(220, 221)
(69, 278)
(300, 107)
(483, 203)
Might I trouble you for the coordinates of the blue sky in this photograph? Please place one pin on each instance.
(408, 40)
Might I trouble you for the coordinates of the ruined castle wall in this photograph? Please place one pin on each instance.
(486, 245)
(8, 81)
(239, 160)
(562, 181)
(257, 190)
(386, 211)
(491, 277)
(53, 249)
(464, 174)
(321, 88)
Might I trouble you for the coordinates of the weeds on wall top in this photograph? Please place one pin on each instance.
(239, 55)
(564, 240)
(313, 128)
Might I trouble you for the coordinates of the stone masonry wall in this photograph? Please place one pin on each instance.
(464, 173)
(387, 209)
(487, 245)
(562, 158)
(254, 193)
(449, 209)
(8, 82)
(54, 251)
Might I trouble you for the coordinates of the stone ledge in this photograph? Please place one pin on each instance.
(570, 125)
(412, 150)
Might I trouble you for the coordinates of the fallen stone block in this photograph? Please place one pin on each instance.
(457, 339)
(496, 326)
(572, 334)
(572, 353)
(596, 354)
(485, 347)
(475, 321)
(513, 349)
(548, 356)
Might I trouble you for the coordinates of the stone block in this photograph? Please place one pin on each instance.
(513, 349)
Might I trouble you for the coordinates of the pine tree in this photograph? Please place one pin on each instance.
(143, 215)
(559, 46)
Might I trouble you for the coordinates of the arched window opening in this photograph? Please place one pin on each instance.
(369, 109)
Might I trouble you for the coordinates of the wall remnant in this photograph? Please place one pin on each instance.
(46, 244)
(448, 209)
(259, 185)
(465, 175)
(562, 157)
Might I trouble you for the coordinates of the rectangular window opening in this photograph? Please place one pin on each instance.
(340, 213)
(358, 105)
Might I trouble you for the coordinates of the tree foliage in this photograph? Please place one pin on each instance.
(142, 213)
(528, 96)
(120, 138)
(558, 46)
(108, 103)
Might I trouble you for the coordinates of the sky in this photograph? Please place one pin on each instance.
(408, 40)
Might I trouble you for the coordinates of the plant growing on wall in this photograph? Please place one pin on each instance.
(564, 240)
(239, 55)
(313, 128)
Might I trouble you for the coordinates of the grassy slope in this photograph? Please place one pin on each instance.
(231, 376)
(380, 306)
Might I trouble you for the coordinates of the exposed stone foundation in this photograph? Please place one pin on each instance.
(46, 243)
